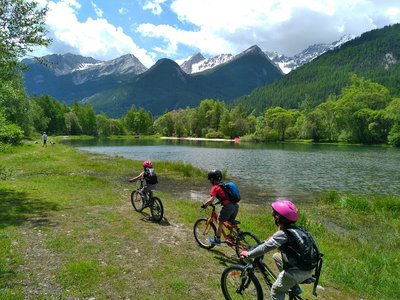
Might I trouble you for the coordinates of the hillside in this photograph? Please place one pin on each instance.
(374, 55)
(71, 77)
(165, 86)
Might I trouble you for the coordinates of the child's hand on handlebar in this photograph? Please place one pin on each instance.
(243, 254)
(204, 206)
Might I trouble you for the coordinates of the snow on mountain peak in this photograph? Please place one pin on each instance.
(287, 64)
(197, 63)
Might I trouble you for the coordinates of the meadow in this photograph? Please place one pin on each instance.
(68, 231)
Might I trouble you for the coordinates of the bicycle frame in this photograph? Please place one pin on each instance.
(268, 275)
(149, 194)
(226, 225)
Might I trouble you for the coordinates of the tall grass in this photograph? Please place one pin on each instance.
(361, 247)
(377, 204)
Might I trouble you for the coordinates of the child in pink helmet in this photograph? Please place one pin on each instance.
(292, 271)
(149, 176)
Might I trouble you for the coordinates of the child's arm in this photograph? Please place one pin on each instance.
(133, 179)
(209, 201)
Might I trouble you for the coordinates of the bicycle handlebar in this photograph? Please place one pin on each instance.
(213, 205)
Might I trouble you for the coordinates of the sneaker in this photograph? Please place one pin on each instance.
(215, 241)
(296, 290)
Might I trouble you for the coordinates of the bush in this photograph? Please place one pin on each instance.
(214, 135)
(11, 134)
(394, 135)
(272, 136)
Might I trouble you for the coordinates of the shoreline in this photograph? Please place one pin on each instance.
(195, 139)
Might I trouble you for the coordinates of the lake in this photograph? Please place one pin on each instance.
(289, 169)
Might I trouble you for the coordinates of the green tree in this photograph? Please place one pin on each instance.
(356, 105)
(103, 125)
(207, 117)
(117, 127)
(138, 121)
(87, 118)
(21, 29)
(53, 112)
(72, 125)
(393, 114)
(320, 123)
(165, 125)
(144, 122)
(280, 119)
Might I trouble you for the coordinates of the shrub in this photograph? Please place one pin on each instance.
(394, 135)
(214, 135)
(11, 134)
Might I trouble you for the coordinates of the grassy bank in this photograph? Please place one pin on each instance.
(67, 230)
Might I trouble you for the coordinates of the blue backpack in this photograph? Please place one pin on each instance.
(231, 190)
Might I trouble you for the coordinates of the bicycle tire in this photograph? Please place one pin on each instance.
(246, 240)
(236, 283)
(138, 201)
(202, 234)
(157, 209)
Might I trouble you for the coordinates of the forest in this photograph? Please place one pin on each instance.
(363, 111)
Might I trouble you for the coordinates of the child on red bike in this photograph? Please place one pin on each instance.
(149, 176)
(229, 209)
(290, 265)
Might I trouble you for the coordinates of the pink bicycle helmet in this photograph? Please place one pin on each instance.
(286, 209)
(147, 164)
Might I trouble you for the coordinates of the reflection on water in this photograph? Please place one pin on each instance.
(280, 169)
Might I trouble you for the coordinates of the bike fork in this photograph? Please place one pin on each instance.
(207, 227)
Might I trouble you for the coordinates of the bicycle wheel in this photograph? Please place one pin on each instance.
(236, 283)
(245, 241)
(157, 209)
(203, 232)
(137, 200)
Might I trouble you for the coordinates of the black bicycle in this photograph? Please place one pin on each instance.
(240, 281)
(141, 200)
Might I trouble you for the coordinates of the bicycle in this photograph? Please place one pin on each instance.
(240, 281)
(233, 236)
(140, 201)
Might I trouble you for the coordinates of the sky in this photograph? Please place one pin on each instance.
(178, 29)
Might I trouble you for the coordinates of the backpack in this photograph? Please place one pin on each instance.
(231, 191)
(150, 176)
(301, 249)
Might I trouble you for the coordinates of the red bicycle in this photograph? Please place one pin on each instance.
(232, 235)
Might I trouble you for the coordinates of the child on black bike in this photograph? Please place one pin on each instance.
(294, 268)
(229, 209)
(149, 176)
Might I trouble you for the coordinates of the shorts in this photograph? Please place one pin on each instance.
(228, 212)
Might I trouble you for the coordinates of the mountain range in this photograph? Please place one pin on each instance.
(198, 63)
(375, 55)
(114, 86)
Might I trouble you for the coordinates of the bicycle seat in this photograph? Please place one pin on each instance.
(236, 222)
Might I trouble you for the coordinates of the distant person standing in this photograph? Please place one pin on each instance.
(44, 138)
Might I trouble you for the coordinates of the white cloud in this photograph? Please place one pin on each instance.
(230, 26)
(99, 12)
(214, 27)
(154, 6)
(96, 38)
(123, 11)
(172, 37)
